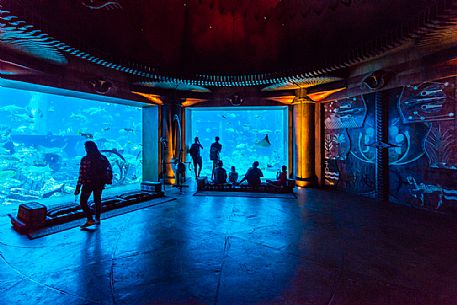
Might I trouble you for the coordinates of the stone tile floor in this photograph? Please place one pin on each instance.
(322, 248)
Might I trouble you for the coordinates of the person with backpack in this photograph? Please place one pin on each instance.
(194, 152)
(94, 173)
(214, 154)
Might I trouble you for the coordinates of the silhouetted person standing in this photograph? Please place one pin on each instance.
(214, 154)
(94, 172)
(196, 156)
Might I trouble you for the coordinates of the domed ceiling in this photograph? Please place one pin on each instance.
(194, 40)
(218, 36)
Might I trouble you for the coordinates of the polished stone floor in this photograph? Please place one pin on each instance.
(322, 248)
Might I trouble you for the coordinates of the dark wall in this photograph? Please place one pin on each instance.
(421, 138)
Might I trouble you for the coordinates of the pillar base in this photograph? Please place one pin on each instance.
(306, 182)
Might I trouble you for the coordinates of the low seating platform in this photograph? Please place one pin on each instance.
(34, 215)
(204, 185)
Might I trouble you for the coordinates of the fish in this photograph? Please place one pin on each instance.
(265, 131)
(241, 146)
(53, 160)
(5, 174)
(87, 135)
(208, 130)
(59, 189)
(38, 169)
(23, 116)
(12, 109)
(78, 117)
(94, 110)
(22, 129)
(51, 150)
(114, 151)
(126, 130)
(229, 116)
(4, 151)
(22, 197)
(9, 146)
(230, 130)
(106, 128)
(52, 109)
(265, 142)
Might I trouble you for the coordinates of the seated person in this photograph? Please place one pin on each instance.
(253, 175)
(220, 175)
(281, 178)
(233, 175)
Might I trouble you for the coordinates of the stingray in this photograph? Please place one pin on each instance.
(265, 142)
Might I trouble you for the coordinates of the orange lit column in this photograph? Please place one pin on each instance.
(170, 149)
(303, 132)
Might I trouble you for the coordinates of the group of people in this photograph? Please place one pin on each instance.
(219, 174)
(95, 172)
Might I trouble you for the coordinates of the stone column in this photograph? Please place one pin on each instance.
(304, 148)
(169, 133)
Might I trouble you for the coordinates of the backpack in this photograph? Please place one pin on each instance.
(193, 151)
(100, 171)
(214, 152)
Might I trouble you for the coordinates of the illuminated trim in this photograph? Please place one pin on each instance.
(153, 98)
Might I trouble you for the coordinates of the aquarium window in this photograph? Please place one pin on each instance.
(42, 142)
(246, 134)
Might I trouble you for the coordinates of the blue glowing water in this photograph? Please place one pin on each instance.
(246, 135)
(42, 141)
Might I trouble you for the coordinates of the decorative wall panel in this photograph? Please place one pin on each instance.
(349, 140)
(426, 176)
(422, 145)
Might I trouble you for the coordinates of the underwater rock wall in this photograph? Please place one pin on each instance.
(42, 142)
(422, 144)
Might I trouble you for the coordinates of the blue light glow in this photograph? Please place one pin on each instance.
(42, 141)
(246, 134)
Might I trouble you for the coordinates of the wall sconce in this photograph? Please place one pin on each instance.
(101, 86)
(235, 100)
(375, 80)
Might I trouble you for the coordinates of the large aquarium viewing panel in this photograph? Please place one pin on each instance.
(246, 134)
(42, 142)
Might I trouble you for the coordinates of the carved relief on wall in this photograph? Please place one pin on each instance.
(426, 127)
(347, 113)
(431, 195)
(441, 147)
(364, 144)
(406, 141)
(337, 145)
(102, 4)
(342, 119)
(427, 102)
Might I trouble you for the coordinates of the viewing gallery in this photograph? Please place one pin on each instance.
(228, 152)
